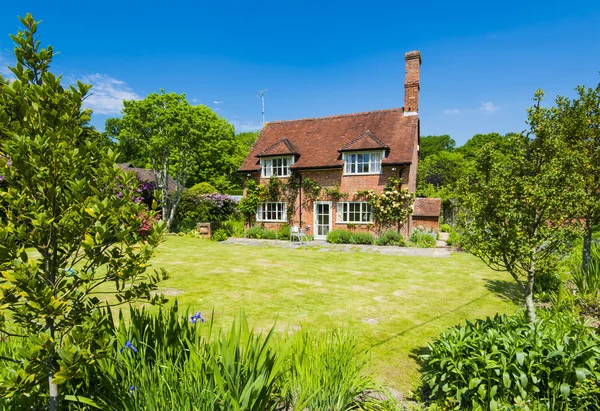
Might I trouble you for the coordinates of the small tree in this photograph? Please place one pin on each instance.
(579, 122)
(518, 208)
(164, 128)
(65, 198)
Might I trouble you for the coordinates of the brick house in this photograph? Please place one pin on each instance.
(353, 151)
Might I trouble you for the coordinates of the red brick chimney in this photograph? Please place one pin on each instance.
(412, 82)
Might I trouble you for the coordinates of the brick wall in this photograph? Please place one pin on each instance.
(426, 223)
(348, 184)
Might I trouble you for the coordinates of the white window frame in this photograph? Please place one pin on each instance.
(343, 212)
(272, 212)
(268, 170)
(351, 158)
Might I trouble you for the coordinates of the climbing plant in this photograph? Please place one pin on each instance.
(392, 207)
(248, 205)
(278, 190)
(335, 193)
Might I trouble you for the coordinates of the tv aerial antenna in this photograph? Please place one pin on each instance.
(261, 95)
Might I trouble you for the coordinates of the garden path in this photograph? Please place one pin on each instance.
(326, 247)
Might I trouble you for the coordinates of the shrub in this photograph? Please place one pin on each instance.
(505, 361)
(233, 227)
(453, 239)
(203, 188)
(255, 232)
(284, 232)
(361, 238)
(270, 235)
(195, 208)
(423, 239)
(339, 236)
(261, 233)
(390, 237)
(445, 228)
(219, 235)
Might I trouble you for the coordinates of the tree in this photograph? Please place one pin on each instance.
(246, 140)
(166, 129)
(216, 157)
(470, 149)
(438, 176)
(64, 197)
(429, 145)
(444, 168)
(517, 208)
(579, 121)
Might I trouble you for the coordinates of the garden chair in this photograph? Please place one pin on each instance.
(298, 234)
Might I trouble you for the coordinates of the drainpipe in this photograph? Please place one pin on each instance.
(300, 194)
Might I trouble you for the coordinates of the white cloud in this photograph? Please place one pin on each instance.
(246, 126)
(488, 107)
(217, 102)
(451, 111)
(107, 95)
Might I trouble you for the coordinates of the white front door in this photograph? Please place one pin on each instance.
(323, 221)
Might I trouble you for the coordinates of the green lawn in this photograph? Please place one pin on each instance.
(395, 303)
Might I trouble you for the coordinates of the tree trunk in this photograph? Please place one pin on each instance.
(529, 304)
(587, 247)
(53, 393)
(529, 299)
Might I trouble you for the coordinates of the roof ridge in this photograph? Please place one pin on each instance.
(367, 133)
(360, 113)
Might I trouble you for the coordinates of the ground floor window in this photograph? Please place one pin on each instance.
(272, 211)
(354, 212)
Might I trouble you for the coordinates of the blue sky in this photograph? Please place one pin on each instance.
(482, 61)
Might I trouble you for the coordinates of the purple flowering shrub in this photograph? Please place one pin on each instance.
(195, 208)
(139, 191)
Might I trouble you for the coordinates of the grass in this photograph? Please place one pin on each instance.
(396, 304)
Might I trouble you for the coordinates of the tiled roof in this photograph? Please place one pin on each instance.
(427, 207)
(147, 175)
(366, 141)
(317, 141)
(281, 147)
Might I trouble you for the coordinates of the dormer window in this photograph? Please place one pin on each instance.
(366, 162)
(276, 166)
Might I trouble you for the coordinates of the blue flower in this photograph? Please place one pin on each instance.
(132, 389)
(194, 318)
(128, 345)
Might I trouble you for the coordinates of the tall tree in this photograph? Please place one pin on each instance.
(215, 157)
(63, 196)
(579, 120)
(166, 129)
(438, 177)
(429, 145)
(518, 212)
(470, 149)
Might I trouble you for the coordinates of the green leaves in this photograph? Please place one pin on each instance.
(517, 214)
(64, 198)
(507, 360)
